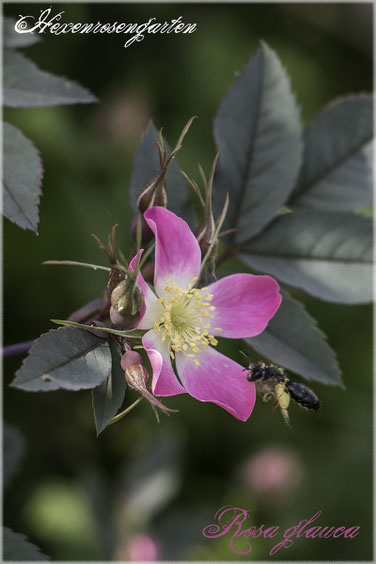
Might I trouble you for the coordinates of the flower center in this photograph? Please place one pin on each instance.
(184, 319)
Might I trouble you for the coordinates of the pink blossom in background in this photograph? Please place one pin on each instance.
(273, 471)
(142, 548)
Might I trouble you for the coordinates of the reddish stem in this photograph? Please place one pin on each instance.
(88, 311)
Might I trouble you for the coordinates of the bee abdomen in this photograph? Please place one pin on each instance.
(303, 395)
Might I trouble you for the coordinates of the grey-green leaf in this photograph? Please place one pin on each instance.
(13, 39)
(17, 547)
(294, 341)
(26, 86)
(22, 179)
(109, 396)
(67, 358)
(145, 167)
(337, 167)
(329, 255)
(258, 134)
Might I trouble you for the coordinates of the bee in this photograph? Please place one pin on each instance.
(271, 382)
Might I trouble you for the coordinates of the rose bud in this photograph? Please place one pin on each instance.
(115, 276)
(154, 193)
(137, 378)
(146, 233)
(126, 303)
(148, 271)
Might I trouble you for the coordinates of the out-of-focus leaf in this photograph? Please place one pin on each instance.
(13, 450)
(293, 340)
(98, 489)
(58, 512)
(258, 135)
(109, 396)
(329, 255)
(337, 165)
(152, 478)
(13, 39)
(25, 86)
(67, 358)
(17, 547)
(146, 166)
(177, 531)
(22, 179)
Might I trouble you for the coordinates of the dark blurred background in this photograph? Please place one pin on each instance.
(144, 491)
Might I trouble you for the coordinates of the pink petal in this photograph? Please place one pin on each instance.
(177, 253)
(165, 382)
(244, 304)
(149, 308)
(219, 380)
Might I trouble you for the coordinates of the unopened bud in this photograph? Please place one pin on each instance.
(124, 323)
(137, 377)
(148, 271)
(146, 233)
(129, 358)
(208, 241)
(126, 303)
(127, 298)
(154, 193)
(205, 236)
(115, 276)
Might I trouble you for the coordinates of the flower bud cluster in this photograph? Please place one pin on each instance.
(207, 234)
(155, 193)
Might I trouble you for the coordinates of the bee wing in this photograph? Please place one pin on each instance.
(253, 355)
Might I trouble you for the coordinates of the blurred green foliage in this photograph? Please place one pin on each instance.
(68, 495)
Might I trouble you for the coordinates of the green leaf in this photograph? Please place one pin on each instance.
(129, 334)
(153, 475)
(13, 39)
(17, 547)
(109, 396)
(22, 179)
(294, 341)
(67, 358)
(25, 86)
(146, 166)
(258, 134)
(13, 451)
(337, 165)
(329, 255)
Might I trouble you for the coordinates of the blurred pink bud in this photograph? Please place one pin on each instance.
(273, 471)
(142, 548)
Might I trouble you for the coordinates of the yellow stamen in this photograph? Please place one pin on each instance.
(183, 319)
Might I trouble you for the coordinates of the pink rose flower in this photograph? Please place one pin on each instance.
(183, 321)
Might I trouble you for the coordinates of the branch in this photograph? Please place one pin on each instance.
(18, 349)
(83, 314)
